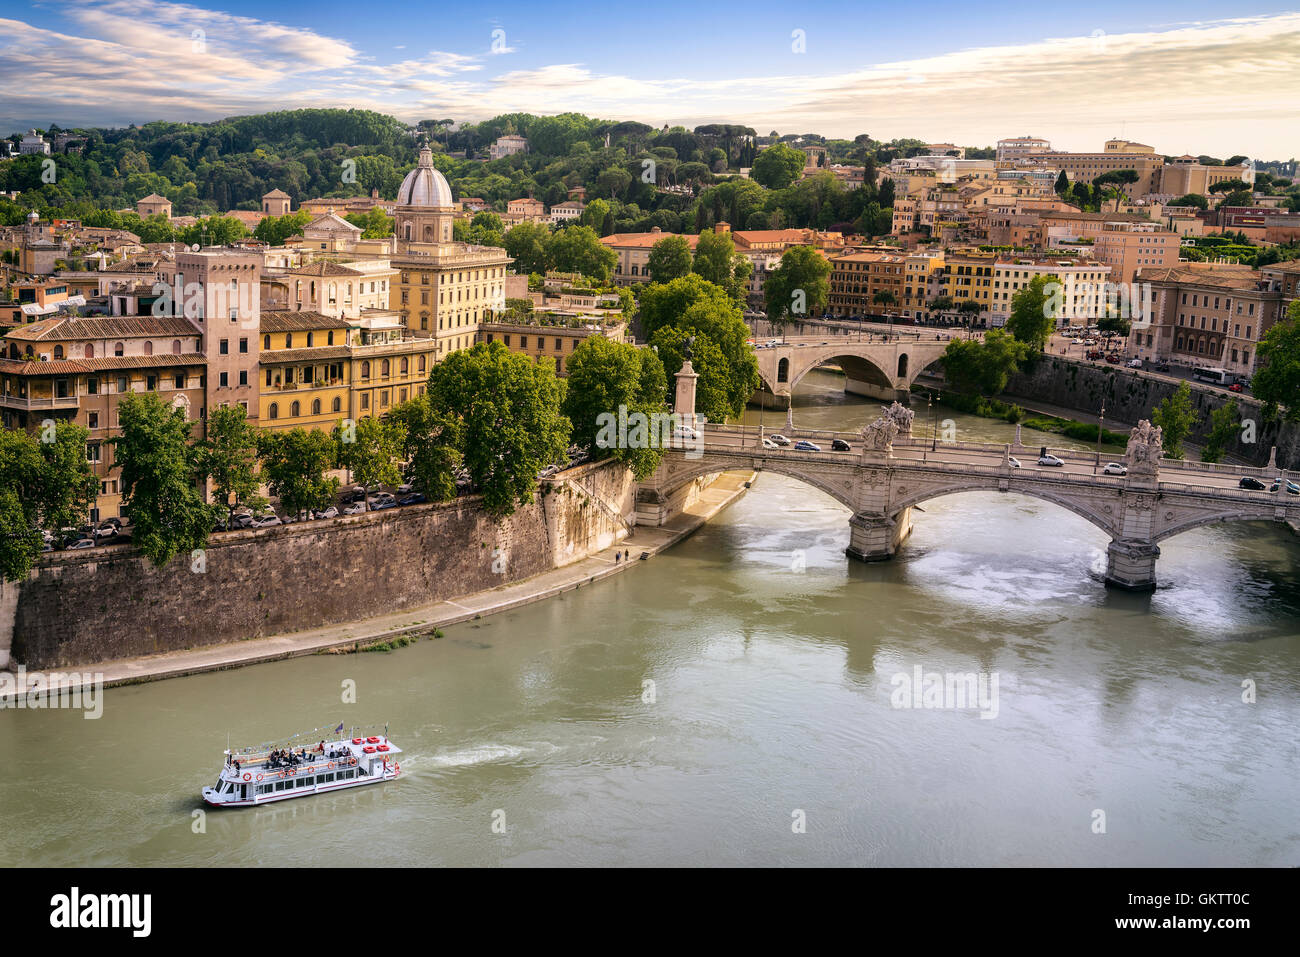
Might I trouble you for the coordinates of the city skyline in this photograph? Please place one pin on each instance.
(963, 78)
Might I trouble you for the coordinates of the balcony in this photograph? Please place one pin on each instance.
(38, 403)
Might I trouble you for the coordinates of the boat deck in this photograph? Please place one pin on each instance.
(344, 751)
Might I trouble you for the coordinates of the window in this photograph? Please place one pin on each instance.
(224, 347)
(310, 337)
(178, 380)
(288, 340)
(148, 348)
(365, 370)
(58, 352)
(92, 420)
(243, 345)
(266, 342)
(90, 351)
(406, 365)
(365, 400)
(384, 368)
(117, 348)
(274, 411)
(329, 338)
(92, 452)
(92, 386)
(121, 384)
(225, 380)
(295, 410)
(243, 377)
(338, 404)
(176, 347)
(151, 382)
(315, 407)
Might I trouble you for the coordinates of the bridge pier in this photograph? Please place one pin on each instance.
(873, 538)
(1131, 565)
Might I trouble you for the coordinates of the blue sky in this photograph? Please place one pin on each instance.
(1183, 77)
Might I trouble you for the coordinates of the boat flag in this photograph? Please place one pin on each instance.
(339, 728)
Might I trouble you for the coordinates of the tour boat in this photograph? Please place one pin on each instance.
(265, 775)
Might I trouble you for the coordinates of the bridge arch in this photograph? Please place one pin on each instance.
(992, 483)
(823, 481)
(1200, 521)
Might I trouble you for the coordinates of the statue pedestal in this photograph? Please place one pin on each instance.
(684, 403)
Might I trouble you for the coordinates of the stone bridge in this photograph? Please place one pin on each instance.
(878, 365)
(887, 472)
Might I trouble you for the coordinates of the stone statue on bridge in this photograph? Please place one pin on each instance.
(879, 435)
(1145, 447)
(902, 416)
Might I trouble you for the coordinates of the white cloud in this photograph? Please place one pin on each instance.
(1219, 87)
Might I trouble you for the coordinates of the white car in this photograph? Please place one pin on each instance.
(1114, 468)
(1013, 461)
(1050, 460)
(779, 439)
(685, 432)
(356, 509)
(267, 522)
(331, 512)
(769, 444)
(1135, 363)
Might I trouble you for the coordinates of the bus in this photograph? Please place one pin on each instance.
(1217, 376)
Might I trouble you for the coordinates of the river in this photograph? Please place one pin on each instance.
(733, 701)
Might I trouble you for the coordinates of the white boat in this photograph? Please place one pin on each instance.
(264, 775)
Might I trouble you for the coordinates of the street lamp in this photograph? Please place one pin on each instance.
(1101, 421)
(934, 420)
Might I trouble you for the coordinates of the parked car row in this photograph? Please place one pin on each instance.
(776, 441)
(1255, 485)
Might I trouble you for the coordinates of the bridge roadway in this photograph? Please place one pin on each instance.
(1137, 511)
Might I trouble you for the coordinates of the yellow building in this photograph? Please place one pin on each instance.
(305, 371)
(968, 275)
(920, 269)
(388, 364)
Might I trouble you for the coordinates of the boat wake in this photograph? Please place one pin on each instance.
(480, 755)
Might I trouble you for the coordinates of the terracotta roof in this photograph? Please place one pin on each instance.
(103, 327)
(644, 240)
(324, 268)
(248, 217)
(295, 321)
(1245, 280)
(270, 357)
(276, 194)
(74, 366)
(154, 198)
(1292, 265)
(1097, 217)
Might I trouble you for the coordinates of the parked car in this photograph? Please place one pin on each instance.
(415, 498)
(1254, 484)
(1291, 487)
(1093, 354)
(686, 432)
(81, 543)
(383, 504)
(839, 445)
(1236, 387)
(405, 488)
(803, 445)
(267, 521)
(1135, 363)
(779, 439)
(769, 444)
(355, 509)
(1112, 358)
(1013, 461)
(545, 473)
(330, 512)
(1050, 460)
(105, 531)
(1114, 468)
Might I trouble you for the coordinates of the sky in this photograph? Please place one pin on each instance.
(1187, 77)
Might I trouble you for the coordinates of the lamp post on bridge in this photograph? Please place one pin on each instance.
(934, 420)
(1101, 421)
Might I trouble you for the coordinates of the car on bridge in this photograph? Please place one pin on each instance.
(1013, 461)
(1291, 487)
(1050, 460)
(779, 439)
(1114, 468)
(1254, 484)
(803, 445)
(839, 445)
(769, 444)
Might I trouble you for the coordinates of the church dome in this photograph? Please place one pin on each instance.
(424, 185)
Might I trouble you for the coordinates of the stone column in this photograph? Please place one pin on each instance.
(875, 538)
(684, 406)
(1132, 565)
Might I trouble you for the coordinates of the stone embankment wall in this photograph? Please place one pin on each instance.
(110, 603)
(1131, 396)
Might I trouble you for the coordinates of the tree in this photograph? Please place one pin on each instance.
(1114, 325)
(616, 381)
(68, 486)
(528, 244)
(940, 304)
(1224, 425)
(716, 261)
(799, 286)
(508, 409)
(1277, 380)
(884, 297)
(1239, 197)
(723, 357)
(21, 471)
(431, 447)
(370, 450)
(579, 249)
(159, 474)
(1176, 417)
(294, 465)
(1191, 199)
(778, 166)
(594, 215)
(229, 458)
(663, 304)
(1034, 311)
(274, 230)
(1062, 183)
(670, 258)
(983, 367)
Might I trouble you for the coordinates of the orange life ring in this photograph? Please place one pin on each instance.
(291, 772)
(330, 765)
(247, 776)
(353, 761)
